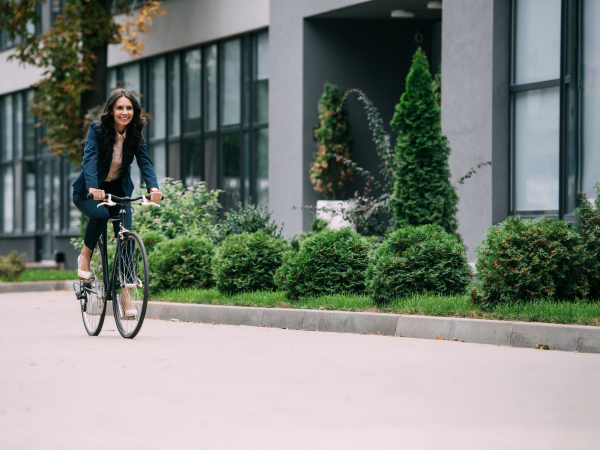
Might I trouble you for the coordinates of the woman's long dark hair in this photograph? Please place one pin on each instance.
(133, 138)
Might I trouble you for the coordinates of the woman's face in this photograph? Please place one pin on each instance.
(122, 112)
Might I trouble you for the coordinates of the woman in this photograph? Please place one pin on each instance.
(110, 146)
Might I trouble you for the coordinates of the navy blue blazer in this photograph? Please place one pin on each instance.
(92, 176)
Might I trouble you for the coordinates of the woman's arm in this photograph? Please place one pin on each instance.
(89, 165)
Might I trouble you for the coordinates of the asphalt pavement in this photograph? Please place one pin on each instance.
(198, 386)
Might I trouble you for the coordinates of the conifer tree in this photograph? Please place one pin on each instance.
(422, 192)
(329, 171)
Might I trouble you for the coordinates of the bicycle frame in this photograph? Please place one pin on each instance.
(117, 259)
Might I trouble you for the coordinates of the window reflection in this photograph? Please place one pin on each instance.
(211, 87)
(537, 149)
(158, 108)
(591, 97)
(192, 97)
(7, 129)
(30, 197)
(262, 166)
(175, 96)
(8, 196)
(232, 71)
(231, 170)
(132, 82)
(262, 78)
(537, 40)
(192, 161)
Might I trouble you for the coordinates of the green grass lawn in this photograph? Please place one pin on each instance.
(427, 305)
(45, 275)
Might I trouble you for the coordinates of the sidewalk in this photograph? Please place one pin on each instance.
(569, 338)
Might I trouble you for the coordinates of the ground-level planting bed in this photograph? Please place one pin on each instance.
(576, 313)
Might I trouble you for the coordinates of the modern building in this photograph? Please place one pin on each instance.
(233, 87)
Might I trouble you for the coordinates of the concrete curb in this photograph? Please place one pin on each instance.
(571, 338)
(36, 286)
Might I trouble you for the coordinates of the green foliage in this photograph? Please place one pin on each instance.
(183, 211)
(327, 263)
(329, 172)
(72, 56)
(255, 219)
(318, 225)
(183, 262)
(151, 239)
(423, 193)
(12, 266)
(589, 231)
(80, 29)
(529, 260)
(415, 260)
(247, 262)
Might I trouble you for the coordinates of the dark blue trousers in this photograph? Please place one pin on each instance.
(98, 216)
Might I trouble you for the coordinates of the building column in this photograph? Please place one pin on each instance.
(475, 110)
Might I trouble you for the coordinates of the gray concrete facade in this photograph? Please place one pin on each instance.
(475, 109)
(353, 43)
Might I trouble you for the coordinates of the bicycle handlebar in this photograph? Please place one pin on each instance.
(122, 199)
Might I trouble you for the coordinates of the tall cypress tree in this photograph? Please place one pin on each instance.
(422, 192)
(328, 174)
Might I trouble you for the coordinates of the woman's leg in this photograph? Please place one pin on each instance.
(97, 218)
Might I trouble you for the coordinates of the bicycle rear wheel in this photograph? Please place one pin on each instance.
(93, 303)
(130, 287)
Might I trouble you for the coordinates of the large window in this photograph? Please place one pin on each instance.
(208, 109)
(35, 184)
(555, 97)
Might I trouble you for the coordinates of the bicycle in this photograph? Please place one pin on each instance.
(128, 281)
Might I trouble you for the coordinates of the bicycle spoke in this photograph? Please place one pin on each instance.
(132, 292)
(93, 305)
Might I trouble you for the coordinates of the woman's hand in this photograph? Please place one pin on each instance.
(155, 195)
(99, 194)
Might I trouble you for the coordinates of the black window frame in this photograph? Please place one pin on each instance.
(569, 124)
(250, 126)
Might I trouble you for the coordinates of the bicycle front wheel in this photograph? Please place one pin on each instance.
(130, 287)
(93, 302)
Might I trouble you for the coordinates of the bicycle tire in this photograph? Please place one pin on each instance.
(135, 267)
(93, 306)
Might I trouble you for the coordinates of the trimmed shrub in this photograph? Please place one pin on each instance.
(417, 259)
(589, 231)
(12, 266)
(247, 262)
(422, 192)
(183, 262)
(151, 239)
(529, 260)
(327, 263)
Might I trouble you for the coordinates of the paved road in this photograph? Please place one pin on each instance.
(187, 386)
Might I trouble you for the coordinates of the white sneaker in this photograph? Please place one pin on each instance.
(131, 312)
(81, 273)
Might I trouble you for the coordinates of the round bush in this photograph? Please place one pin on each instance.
(327, 263)
(417, 259)
(528, 260)
(151, 239)
(247, 262)
(183, 262)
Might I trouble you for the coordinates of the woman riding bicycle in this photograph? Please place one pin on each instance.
(110, 147)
